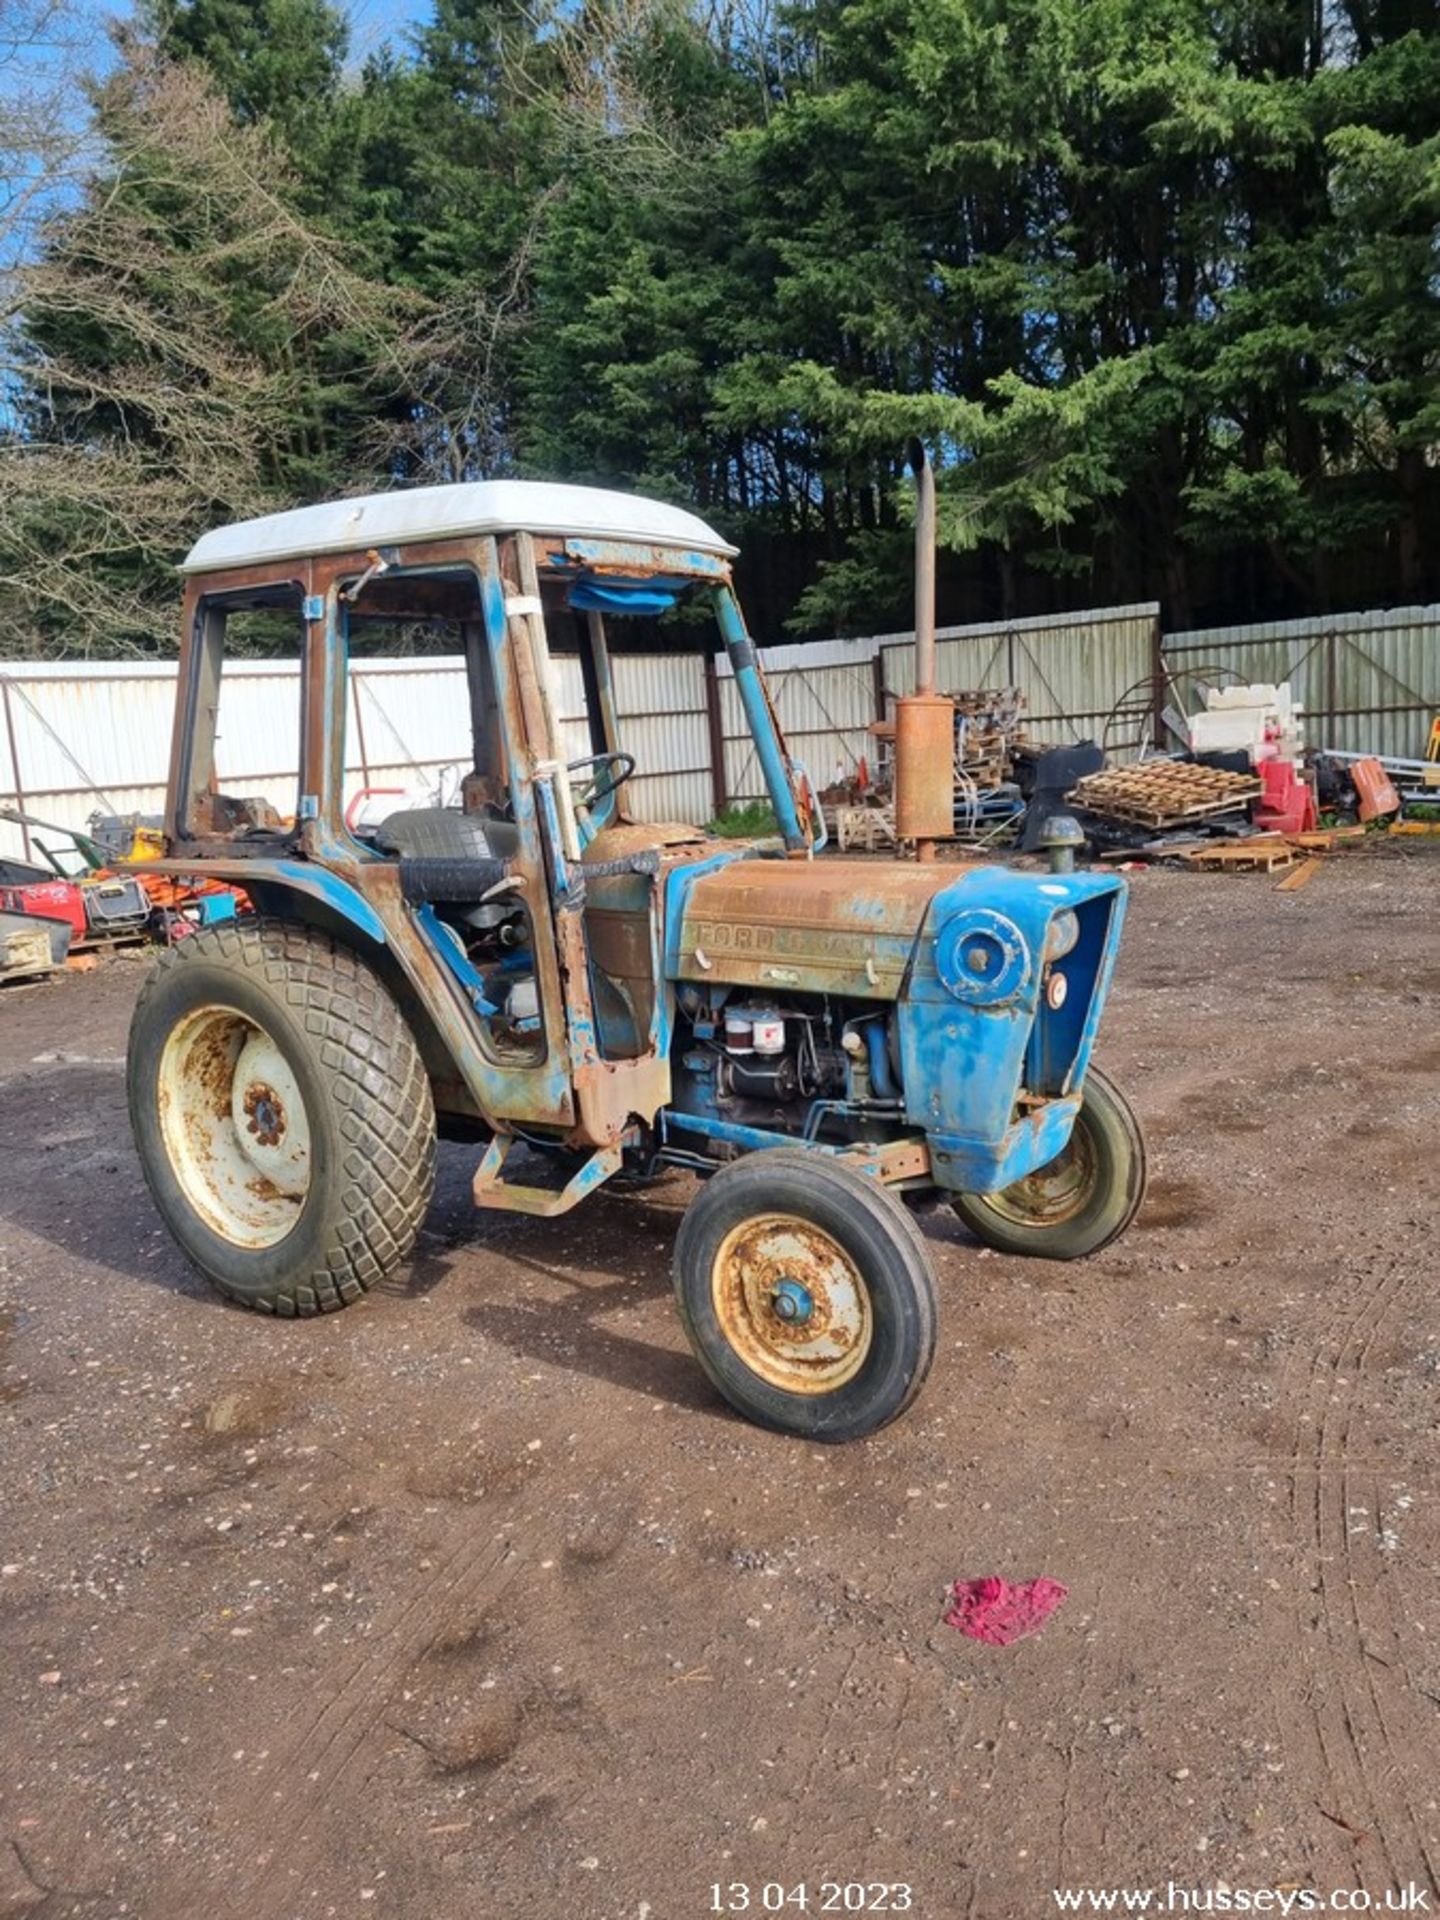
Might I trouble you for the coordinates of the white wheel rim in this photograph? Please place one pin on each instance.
(234, 1126)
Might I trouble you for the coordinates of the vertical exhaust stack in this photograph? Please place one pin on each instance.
(925, 719)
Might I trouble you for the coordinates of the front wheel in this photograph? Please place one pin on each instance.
(1082, 1199)
(807, 1294)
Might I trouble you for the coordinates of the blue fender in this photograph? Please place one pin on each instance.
(976, 1024)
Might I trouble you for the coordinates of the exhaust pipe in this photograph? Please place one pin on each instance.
(924, 720)
(924, 569)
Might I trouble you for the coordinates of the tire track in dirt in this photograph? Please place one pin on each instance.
(1394, 1759)
(1358, 1781)
(334, 1730)
(1064, 1835)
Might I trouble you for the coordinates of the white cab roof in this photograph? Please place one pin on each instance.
(438, 513)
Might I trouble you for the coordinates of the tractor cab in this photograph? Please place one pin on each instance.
(532, 890)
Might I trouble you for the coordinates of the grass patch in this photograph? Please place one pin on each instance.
(745, 820)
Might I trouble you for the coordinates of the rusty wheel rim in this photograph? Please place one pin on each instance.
(1056, 1192)
(235, 1127)
(792, 1303)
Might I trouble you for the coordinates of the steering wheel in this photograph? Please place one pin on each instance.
(609, 773)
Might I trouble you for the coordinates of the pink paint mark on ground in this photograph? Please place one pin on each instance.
(998, 1611)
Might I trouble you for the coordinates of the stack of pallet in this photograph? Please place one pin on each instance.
(1165, 793)
(1269, 853)
(987, 726)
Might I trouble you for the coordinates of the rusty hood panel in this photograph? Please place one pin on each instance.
(823, 926)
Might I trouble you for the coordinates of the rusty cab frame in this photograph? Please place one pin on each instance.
(572, 1089)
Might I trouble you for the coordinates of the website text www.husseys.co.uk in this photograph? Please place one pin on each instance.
(1221, 1898)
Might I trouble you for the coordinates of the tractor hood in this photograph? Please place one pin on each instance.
(821, 926)
(997, 978)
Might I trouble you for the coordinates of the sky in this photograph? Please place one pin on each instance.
(44, 52)
(373, 21)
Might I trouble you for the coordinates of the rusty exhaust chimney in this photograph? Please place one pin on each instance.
(924, 720)
(924, 569)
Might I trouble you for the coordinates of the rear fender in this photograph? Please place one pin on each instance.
(295, 890)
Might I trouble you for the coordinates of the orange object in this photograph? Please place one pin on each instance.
(1373, 786)
(924, 767)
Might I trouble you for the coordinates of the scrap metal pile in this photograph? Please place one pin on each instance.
(1248, 796)
(993, 759)
(988, 732)
(82, 902)
(1241, 792)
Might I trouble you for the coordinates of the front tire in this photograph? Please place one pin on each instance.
(807, 1294)
(1083, 1199)
(282, 1115)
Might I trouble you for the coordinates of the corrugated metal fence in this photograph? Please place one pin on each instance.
(80, 737)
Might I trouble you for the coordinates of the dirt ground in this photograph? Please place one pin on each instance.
(474, 1601)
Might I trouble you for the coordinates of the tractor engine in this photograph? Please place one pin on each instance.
(770, 1056)
(770, 1062)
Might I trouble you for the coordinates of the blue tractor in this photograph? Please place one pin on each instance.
(589, 997)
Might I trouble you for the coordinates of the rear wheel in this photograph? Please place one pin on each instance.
(807, 1294)
(1082, 1199)
(282, 1115)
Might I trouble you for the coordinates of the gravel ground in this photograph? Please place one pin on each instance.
(474, 1601)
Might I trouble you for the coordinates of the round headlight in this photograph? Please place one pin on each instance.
(1062, 934)
(981, 957)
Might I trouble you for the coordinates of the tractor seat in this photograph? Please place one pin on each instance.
(444, 833)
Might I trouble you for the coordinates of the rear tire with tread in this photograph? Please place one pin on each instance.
(366, 1098)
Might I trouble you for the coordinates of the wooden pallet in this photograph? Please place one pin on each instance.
(1241, 856)
(1164, 793)
(871, 829)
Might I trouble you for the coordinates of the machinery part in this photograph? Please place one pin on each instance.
(918, 461)
(91, 855)
(445, 833)
(877, 1058)
(455, 882)
(1082, 1199)
(493, 1191)
(282, 1115)
(924, 768)
(807, 1294)
(1046, 777)
(1060, 840)
(925, 721)
(982, 958)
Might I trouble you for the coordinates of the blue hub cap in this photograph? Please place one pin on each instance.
(792, 1302)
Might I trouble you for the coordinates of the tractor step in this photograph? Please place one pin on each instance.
(511, 1197)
